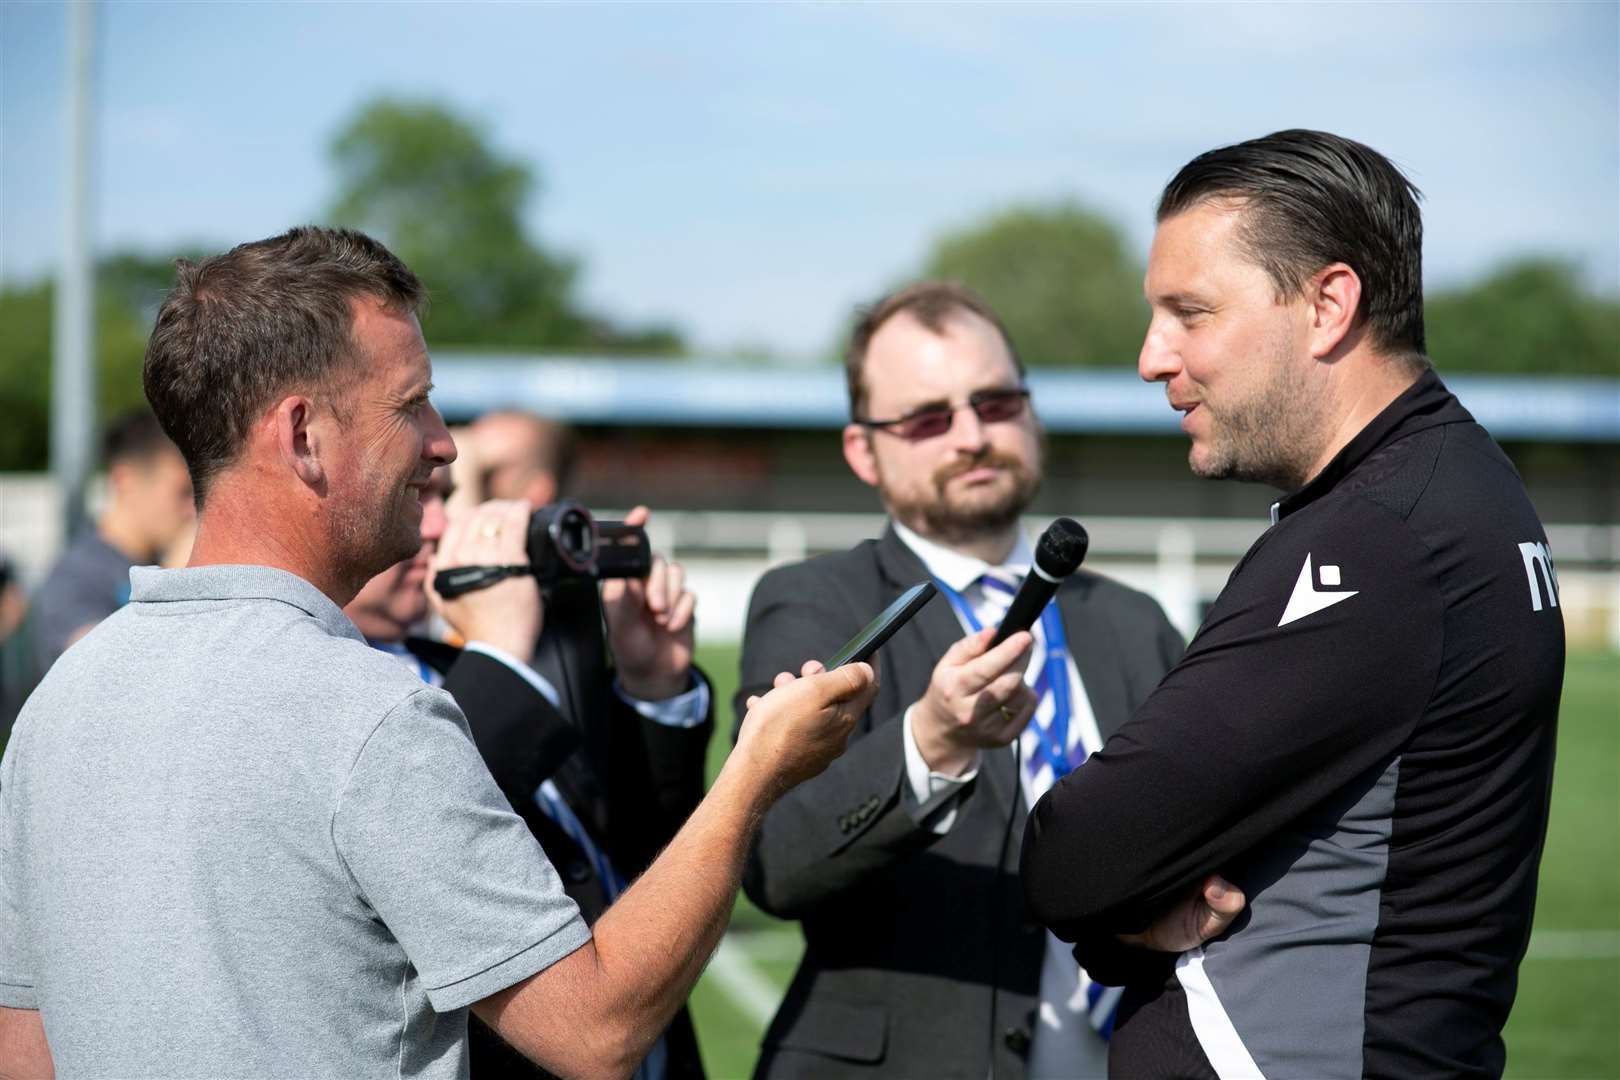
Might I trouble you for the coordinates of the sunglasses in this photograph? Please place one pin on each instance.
(932, 421)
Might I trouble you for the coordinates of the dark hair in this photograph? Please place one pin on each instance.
(1309, 199)
(266, 318)
(134, 436)
(930, 303)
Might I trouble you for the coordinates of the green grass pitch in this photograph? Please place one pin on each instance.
(1566, 1022)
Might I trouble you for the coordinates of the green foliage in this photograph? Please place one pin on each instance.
(419, 177)
(428, 183)
(1060, 279)
(139, 282)
(25, 368)
(1528, 317)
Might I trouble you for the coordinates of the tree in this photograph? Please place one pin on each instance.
(1060, 279)
(428, 184)
(1528, 317)
(25, 368)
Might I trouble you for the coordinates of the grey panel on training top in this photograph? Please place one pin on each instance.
(1314, 896)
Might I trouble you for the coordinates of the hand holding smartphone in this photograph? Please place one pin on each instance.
(861, 647)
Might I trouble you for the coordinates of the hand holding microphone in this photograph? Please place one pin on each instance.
(977, 698)
(1059, 553)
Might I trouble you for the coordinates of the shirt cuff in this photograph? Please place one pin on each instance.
(17, 995)
(936, 794)
(541, 684)
(686, 710)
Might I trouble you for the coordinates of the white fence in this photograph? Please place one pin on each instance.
(1183, 562)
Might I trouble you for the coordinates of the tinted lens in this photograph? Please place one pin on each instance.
(924, 424)
(996, 405)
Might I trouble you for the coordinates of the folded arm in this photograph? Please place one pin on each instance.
(1265, 718)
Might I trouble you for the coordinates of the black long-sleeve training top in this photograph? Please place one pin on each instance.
(1360, 737)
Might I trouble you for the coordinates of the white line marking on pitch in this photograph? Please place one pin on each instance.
(739, 978)
(742, 982)
(1574, 945)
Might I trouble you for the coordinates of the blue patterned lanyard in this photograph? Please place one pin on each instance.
(1051, 743)
(403, 651)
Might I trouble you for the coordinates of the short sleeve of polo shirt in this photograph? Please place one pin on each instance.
(435, 849)
(16, 964)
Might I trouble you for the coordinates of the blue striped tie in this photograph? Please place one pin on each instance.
(1101, 1001)
(999, 593)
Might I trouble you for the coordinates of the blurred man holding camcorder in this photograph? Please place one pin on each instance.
(604, 786)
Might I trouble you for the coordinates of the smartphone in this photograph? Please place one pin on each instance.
(861, 647)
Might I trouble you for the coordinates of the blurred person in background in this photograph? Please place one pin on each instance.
(149, 509)
(1352, 765)
(235, 840)
(900, 861)
(634, 772)
(13, 667)
(13, 601)
(511, 454)
(514, 455)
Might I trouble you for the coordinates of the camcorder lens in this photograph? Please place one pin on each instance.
(575, 537)
(567, 544)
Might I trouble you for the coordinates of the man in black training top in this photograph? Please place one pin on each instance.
(1359, 740)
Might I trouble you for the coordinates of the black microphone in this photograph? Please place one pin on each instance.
(1061, 549)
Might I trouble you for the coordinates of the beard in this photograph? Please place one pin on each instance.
(372, 530)
(393, 600)
(1270, 437)
(959, 517)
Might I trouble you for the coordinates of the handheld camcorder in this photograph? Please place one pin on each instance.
(566, 545)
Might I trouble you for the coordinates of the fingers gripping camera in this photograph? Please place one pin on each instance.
(565, 544)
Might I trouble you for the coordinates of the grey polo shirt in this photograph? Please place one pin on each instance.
(237, 841)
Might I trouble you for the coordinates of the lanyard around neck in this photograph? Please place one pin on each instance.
(1051, 742)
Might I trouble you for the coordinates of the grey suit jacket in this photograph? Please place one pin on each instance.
(920, 959)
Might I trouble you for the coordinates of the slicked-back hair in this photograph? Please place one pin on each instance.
(240, 330)
(1310, 199)
(931, 303)
(134, 436)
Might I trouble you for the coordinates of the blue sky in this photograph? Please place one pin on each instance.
(751, 171)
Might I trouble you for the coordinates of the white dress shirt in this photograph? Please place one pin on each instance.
(1063, 1043)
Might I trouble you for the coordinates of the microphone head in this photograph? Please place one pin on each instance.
(1062, 548)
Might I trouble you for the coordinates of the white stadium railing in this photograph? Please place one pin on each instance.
(1182, 561)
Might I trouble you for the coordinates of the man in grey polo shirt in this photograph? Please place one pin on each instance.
(235, 840)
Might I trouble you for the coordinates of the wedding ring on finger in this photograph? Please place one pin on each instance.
(1005, 714)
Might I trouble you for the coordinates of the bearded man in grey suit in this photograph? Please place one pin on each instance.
(900, 861)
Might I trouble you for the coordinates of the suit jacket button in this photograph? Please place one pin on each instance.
(1017, 1040)
(577, 871)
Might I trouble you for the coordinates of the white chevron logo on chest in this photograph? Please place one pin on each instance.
(1307, 599)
